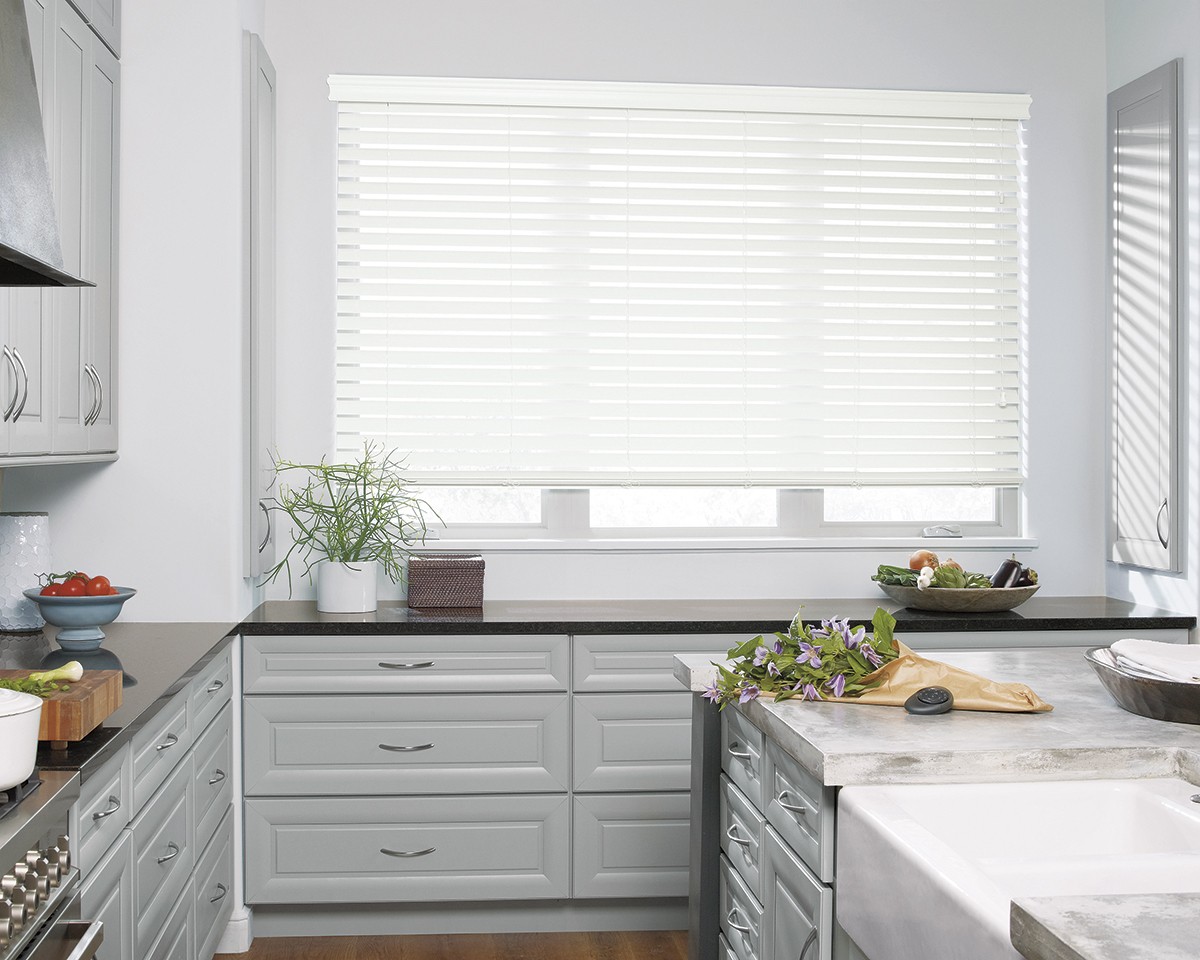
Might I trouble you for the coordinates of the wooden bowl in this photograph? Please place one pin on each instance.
(1157, 699)
(965, 600)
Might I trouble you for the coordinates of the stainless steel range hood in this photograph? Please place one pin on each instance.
(30, 250)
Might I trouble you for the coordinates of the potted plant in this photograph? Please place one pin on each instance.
(349, 520)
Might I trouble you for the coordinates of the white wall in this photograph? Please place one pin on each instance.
(1143, 35)
(1054, 51)
(165, 518)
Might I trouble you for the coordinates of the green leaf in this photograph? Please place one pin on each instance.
(950, 577)
(882, 625)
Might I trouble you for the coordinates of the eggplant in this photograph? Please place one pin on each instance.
(1028, 578)
(1007, 573)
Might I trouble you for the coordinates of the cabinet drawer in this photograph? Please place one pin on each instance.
(631, 845)
(741, 834)
(378, 664)
(162, 854)
(415, 744)
(442, 848)
(742, 755)
(158, 747)
(638, 662)
(105, 805)
(724, 950)
(632, 741)
(211, 690)
(801, 809)
(213, 889)
(798, 905)
(741, 915)
(107, 896)
(212, 784)
(177, 939)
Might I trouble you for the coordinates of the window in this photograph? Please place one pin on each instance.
(573, 285)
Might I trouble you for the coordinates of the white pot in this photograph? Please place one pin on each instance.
(346, 588)
(20, 716)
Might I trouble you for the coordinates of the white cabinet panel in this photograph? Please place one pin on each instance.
(631, 845)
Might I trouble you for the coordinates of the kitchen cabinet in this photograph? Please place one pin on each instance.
(104, 17)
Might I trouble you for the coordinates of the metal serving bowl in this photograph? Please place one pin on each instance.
(1157, 699)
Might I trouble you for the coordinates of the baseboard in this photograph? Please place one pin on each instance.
(546, 916)
(238, 935)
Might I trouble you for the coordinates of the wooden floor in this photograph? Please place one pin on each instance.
(671, 945)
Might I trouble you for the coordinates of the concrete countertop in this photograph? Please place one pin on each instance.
(1145, 927)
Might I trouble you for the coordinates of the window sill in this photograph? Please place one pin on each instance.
(960, 545)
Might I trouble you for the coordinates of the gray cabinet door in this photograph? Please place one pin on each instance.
(406, 664)
(177, 939)
(801, 809)
(631, 845)
(213, 889)
(416, 849)
(614, 662)
(632, 741)
(797, 907)
(162, 854)
(158, 747)
(329, 746)
(105, 807)
(212, 778)
(107, 896)
(211, 689)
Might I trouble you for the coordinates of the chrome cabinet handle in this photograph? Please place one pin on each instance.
(16, 388)
(220, 776)
(174, 848)
(795, 808)
(809, 942)
(24, 387)
(214, 686)
(1158, 526)
(398, 749)
(407, 666)
(104, 814)
(99, 394)
(733, 828)
(220, 896)
(170, 742)
(734, 924)
(87, 419)
(740, 754)
(266, 536)
(407, 853)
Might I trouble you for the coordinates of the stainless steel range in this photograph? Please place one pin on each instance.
(39, 888)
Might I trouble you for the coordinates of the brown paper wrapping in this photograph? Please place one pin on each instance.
(909, 672)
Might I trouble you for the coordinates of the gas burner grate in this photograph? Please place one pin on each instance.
(10, 798)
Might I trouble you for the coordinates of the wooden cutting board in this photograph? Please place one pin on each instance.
(70, 715)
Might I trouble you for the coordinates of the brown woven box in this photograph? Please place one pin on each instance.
(445, 580)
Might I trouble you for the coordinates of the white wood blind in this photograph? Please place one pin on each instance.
(531, 291)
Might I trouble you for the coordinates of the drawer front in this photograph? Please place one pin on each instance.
(801, 809)
(741, 915)
(212, 783)
(162, 854)
(158, 747)
(107, 896)
(724, 950)
(105, 807)
(440, 848)
(631, 845)
(297, 746)
(742, 755)
(741, 834)
(638, 662)
(213, 889)
(632, 741)
(177, 939)
(798, 906)
(211, 690)
(378, 664)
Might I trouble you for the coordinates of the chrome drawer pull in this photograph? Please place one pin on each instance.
(407, 853)
(809, 941)
(102, 814)
(734, 924)
(741, 755)
(170, 742)
(399, 749)
(730, 834)
(214, 686)
(220, 896)
(795, 808)
(220, 775)
(407, 666)
(174, 848)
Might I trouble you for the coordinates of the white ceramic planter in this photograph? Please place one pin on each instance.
(346, 588)
(20, 717)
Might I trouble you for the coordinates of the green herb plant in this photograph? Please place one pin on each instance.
(811, 662)
(349, 513)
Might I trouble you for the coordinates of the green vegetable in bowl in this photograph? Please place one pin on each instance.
(896, 576)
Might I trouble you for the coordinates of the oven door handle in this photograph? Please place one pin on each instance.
(91, 935)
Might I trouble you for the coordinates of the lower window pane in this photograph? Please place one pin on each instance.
(479, 505)
(662, 507)
(910, 504)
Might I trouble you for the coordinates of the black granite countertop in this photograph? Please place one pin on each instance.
(300, 617)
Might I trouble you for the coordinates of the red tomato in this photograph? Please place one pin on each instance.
(98, 587)
(79, 575)
(113, 591)
(51, 590)
(71, 588)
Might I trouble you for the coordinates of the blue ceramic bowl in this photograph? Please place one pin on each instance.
(80, 618)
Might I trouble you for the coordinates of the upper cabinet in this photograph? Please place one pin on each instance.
(104, 17)
(1143, 240)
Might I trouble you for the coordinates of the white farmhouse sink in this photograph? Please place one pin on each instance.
(928, 872)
